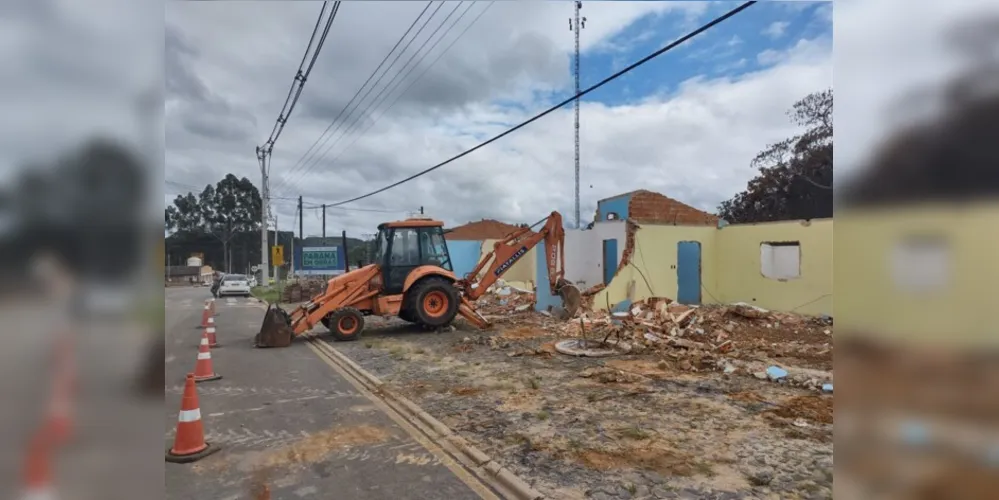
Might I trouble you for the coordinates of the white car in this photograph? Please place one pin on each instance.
(234, 284)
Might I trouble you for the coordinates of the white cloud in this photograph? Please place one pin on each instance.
(776, 29)
(694, 144)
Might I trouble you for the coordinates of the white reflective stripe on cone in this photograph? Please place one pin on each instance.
(204, 341)
(189, 415)
(204, 355)
(38, 494)
(211, 320)
(211, 329)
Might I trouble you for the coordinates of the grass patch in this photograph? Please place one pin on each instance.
(543, 415)
(266, 293)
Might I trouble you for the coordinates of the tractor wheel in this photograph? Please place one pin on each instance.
(346, 324)
(435, 302)
(406, 314)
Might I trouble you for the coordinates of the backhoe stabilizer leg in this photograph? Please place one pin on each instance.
(468, 312)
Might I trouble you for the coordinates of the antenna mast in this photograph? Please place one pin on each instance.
(575, 25)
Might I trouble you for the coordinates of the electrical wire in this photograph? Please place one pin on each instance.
(390, 87)
(301, 65)
(389, 67)
(346, 106)
(548, 111)
(282, 120)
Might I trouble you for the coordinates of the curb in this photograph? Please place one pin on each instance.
(495, 471)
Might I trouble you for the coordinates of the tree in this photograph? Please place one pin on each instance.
(795, 175)
(232, 207)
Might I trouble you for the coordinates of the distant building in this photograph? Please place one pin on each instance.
(182, 275)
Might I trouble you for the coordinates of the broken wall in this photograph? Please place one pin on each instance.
(464, 255)
(651, 267)
(730, 265)
(923, 272)
(584, 252)
(740, 267)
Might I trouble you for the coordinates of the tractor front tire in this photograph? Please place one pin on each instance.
(346, 324)
(435, 302)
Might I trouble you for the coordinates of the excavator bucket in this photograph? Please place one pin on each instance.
(275, 330)
(572, 299)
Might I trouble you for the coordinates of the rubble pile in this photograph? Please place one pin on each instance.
(302, 290)
(503, 299)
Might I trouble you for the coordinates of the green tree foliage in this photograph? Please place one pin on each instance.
(228, 212)
(795, 175)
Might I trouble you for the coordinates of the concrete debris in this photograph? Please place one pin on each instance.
(776, 373)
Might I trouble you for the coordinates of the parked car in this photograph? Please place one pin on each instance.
(234, 284)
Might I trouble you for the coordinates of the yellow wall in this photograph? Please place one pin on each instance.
(522, 272)
(737, 261)
(868, 300)
(730, 266)
(655, 257)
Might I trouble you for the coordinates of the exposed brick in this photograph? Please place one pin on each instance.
(650, 207)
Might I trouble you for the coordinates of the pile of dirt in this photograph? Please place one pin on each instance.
(504, 300)
(693, 333)
(302, 290)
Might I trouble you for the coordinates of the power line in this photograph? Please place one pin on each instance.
(346, 106)
(301, 65)
(421, 75)
(599, 84)
(389, 67)
(390, 87)
(301, 76)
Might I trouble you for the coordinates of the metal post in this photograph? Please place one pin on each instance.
(324, 223)
(346, 260)
(576, 26)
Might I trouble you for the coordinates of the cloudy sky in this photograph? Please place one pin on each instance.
(686, 124)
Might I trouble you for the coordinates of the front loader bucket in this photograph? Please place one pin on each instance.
(275, 330)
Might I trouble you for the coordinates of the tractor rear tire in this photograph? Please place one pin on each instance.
(435, 302)
(346, 324)
(406, 314)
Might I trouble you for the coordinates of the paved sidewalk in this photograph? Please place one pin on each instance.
(286, 420)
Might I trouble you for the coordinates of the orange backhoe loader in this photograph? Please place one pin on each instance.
(412, 278)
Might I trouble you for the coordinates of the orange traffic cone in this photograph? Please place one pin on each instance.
(203, 370)
(206, 315)
(189, 444)
(59, 419)
(37, 480)
(210, 333)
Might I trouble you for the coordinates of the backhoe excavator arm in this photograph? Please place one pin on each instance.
(517, 244)
(507, 252)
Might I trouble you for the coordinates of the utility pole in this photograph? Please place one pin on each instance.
(421, 210)
(277, 242)
(301, 219)
(264, 217)
(324, 224)
(575, 25)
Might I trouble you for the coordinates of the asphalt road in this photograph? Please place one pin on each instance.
(286, 421)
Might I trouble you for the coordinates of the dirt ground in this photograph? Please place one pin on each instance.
(688, 412)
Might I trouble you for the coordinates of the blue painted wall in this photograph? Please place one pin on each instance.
(617, 204)
(543, 295)
(464, 255)
(609, 260)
